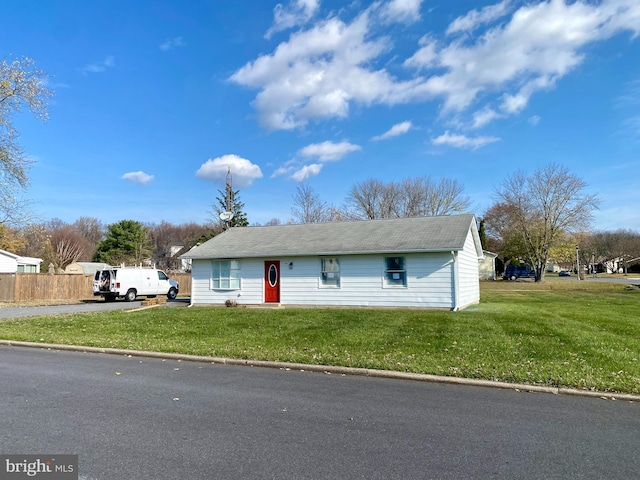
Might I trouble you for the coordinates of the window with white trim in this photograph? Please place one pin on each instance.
(329, 272)
(225, 274)
(395, 273)
(27, 269)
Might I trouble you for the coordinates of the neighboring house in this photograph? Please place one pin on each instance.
(12, 263)
(86, 268)
(427, 262)
(169, 258)
(553, 267)
(619, 264)
(487, 266)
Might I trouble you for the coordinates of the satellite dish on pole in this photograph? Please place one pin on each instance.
(226, 216)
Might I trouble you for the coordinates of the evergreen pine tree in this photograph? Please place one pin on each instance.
(237, 208)
(483, 235)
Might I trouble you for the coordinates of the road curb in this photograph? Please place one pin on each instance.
(328, 369)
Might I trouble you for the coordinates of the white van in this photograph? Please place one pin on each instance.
(130, 282)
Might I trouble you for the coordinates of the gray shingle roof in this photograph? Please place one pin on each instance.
(424, 234)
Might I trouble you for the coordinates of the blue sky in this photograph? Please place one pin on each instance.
(155, 99)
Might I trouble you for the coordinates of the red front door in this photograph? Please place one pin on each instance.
(272, 281)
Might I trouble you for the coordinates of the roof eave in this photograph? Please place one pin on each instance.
(323, 254)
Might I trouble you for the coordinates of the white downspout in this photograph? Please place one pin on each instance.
(455, 291)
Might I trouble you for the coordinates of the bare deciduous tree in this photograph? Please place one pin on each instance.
(542, 207)
(171, 240)
(68, 246)
(412, 197)
(92, 230)
(503, 234)
(365, 200)
(424, 197)
(307, 206)
(20, 85)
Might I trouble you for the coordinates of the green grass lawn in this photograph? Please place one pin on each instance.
(558, 333)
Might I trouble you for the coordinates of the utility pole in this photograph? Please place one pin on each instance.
(578, 261)
(227, 215)
(229, 187)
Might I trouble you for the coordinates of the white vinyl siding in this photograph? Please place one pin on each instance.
(8, 264)
(429, 282)
(250, 291)
(468, 274)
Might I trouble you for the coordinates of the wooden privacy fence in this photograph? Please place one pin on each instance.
(28, 287)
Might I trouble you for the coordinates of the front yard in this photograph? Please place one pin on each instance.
(558, 333)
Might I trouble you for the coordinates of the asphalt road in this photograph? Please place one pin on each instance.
(631, 279)
(90, 306)
(140, 418)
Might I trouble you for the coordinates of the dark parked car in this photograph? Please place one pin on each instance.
(513, 272)
(564, 273)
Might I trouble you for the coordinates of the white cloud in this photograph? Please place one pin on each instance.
(173, 43)
(525, 48)
(328, 151)
(534, 120)
(476, 18)
(621, 15)
(99, 67)
(538, 45)
(243, 171)
(317, 73)
(631, 127)
(426, 56)
(397, 129)
(138, 177)
(484, 116)
(320, 153)
(462, 141)
(306, 172)
(401, 11)
(627, 105)
(296, 13)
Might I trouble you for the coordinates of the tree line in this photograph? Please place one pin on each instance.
(374, 199)
(87, 239)
(536, 219)
(546, 217)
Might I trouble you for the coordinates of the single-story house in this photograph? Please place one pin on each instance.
(429, 262)
(85, 268)
(12, 263)
(487, 266)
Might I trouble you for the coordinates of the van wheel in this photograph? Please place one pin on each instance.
(173, 293)
(131, 295)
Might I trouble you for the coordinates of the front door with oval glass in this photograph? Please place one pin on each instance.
(272, 281)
